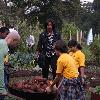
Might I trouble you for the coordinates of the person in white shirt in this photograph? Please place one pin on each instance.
(30, 42)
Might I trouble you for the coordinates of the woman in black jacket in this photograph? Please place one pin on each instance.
(45, 49)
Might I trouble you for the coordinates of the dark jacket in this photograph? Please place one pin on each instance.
(43, 41)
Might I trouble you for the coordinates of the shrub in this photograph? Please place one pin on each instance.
(95, 48)
(88, 54)
(67, 29)
(22, 60)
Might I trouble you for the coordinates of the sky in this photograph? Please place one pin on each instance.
(87, 0)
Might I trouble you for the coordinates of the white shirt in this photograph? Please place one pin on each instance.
(30, 40)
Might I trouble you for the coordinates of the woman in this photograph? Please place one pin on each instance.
(45, 49)
(75, 51)
(70, 87)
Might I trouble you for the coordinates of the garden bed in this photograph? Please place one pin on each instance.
(93, 78)
(30, 87)
(95, 96)
(24, 73)
(31, 96)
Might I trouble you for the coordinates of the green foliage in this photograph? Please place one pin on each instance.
(85, 16)
(71, 9)
(88, 54)
(25, 30)
(56, 9)
(68, 28)
(46, 9)
(22, 60)
(97, 88)
(95, 48)
(96, 17)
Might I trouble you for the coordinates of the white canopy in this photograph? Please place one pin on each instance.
(90, 37)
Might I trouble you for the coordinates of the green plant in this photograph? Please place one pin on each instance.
(88, 54)
(67, 29)
(25, 30)
(22, 60)
(97, 88)
(95, 48)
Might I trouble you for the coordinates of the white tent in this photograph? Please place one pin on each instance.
(90, 37)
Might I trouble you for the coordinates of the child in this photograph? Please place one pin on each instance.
(70, 87)
(78, 55)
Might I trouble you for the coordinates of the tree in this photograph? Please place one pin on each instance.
(30, 9)
(56, 9)
(71, 9)
(85, 16)
(96, 21)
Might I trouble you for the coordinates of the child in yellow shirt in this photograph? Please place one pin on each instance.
(78, 55)
(70, 87)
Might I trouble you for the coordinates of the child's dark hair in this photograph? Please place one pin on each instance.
(4, 29)
(74, 43)
(53, 24)
(60, 46)
(79, 46)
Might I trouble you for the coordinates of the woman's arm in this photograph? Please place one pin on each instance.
(56, 80)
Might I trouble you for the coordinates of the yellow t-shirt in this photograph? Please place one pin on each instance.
(66, 66)
(6, 59)
(79, 58)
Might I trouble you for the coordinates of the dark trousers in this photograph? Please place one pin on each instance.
(6, 76)
(47, 62)
(2, 97)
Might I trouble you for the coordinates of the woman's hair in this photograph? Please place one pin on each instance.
(74, 43)
(60, 46)
(53, 24)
